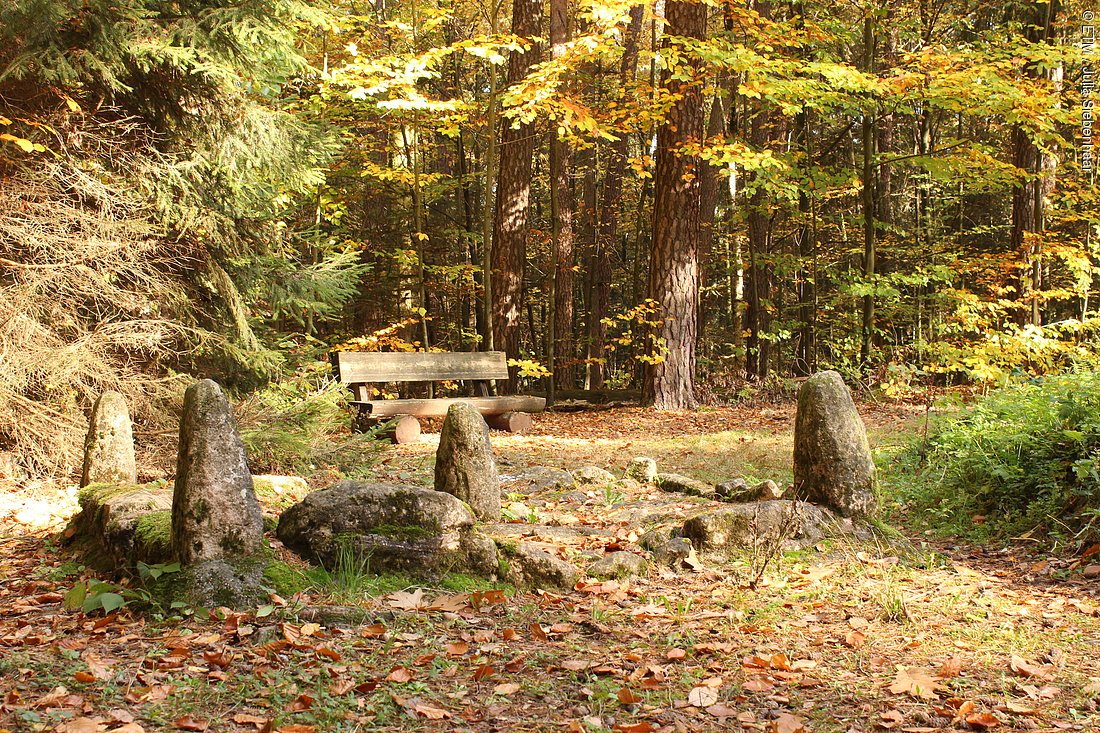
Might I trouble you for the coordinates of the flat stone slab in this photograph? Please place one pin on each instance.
(791, 524)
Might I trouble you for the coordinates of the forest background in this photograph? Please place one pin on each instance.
(699, 200)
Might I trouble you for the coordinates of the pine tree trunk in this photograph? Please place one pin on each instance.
(560, 343)
(517, 145)
(869, 136)
(674, 264)
(608, 225)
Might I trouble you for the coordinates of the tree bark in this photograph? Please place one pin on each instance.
(674, 265)
(1027, 197)
(560, 343)
(608, 225)
(517, 145)
(869, 137)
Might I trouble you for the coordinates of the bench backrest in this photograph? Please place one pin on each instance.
(357, 367)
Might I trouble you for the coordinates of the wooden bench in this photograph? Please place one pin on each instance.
(360, 370)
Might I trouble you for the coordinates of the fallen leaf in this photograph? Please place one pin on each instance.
(457, 648)
(891, 719)
(79, 725)
(300, 703)
(1018, 708)
(188, 722)
(643, 727)
(427, 710)
(758, 684)
(297, 728)
(1024, 668)
(506, 688)
(951, 668)
(787, 723)
(399, 674)
(854, 638)
(916, 683)
(702, 697)
(128, 728)
(982, 720)
(627, 697)
(721, 710)
(675, 653)
(407, 601)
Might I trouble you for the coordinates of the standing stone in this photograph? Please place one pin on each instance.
(215, 514)
(464, 465)
(832, 458)
(109, 447)
(642, 469)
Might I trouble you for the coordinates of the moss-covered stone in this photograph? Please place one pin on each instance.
(120, 525)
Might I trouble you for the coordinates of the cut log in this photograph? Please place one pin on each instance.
(404, 429)
(438, 407)
(512, 422)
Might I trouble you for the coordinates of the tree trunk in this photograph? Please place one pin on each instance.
(1027, 197)
(608, 224)
(869, 135)
(560, 343)
(509, 253)
(674, 265)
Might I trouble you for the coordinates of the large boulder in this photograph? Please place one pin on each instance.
(788, 524)
(215, 514)
(394, 528)
(109, 446)
(832, 458)
(464, 464)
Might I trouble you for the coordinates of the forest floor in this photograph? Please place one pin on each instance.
(912, 634)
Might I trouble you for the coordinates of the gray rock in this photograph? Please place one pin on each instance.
(390, 528)
(738, 490)
(220, 582)
(538, 479)
(684, 484)
(620, 564)
(215, 514)
(768, 489)
(670, 551)
(545, 531)
(832, 458)
(464, 465)
(734, 490)
(122, 525)
(592, 476)
(532, 567)
(642, 469)
(109, 446)
(790, 524)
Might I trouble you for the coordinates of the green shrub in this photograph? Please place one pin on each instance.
(302, 424)
(1025, 458)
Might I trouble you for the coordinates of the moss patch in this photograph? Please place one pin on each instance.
(402, 532)
(287, 580)
(154, 532)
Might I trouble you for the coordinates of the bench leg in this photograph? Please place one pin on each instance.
(512, 422)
